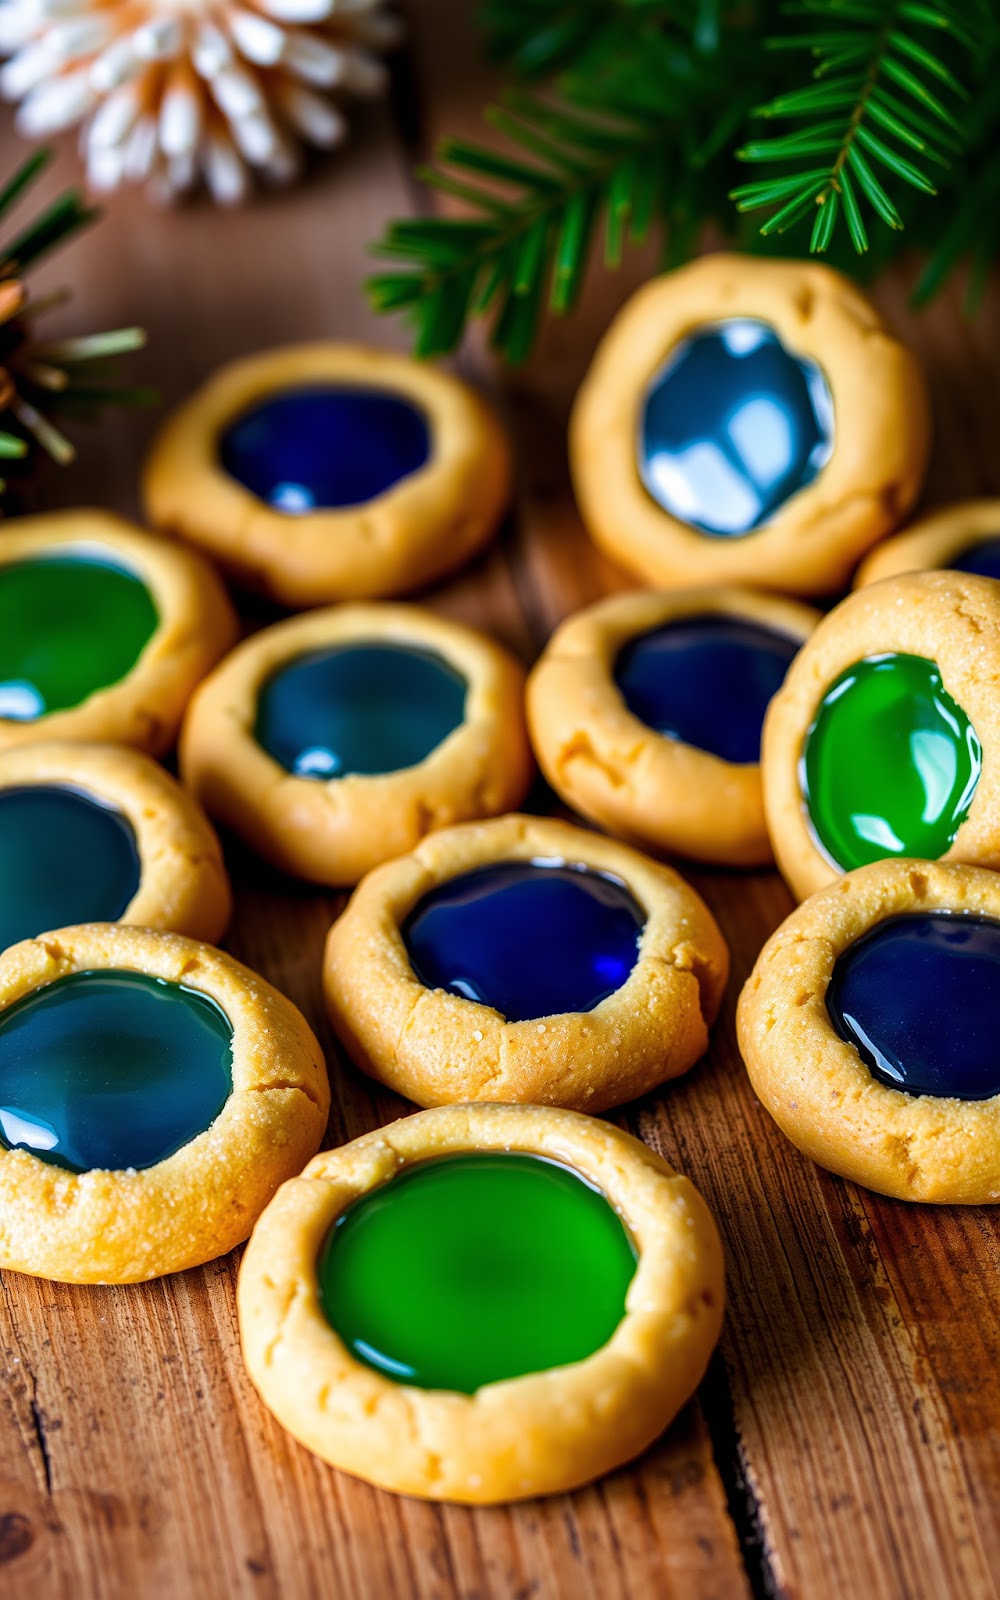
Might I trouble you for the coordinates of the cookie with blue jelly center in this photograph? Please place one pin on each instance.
(731, 426)
(919, 998)
(325, 447)
(529, 938)
(706, 681)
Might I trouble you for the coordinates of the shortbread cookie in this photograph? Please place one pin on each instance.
(104, 631)
(589, 1322)
(336, 740)
(153, 1095)
(95, 832)
(646, 710)
(323, 472)
(524, 960)
(869, 1029)
(883, 740)
(748, 421)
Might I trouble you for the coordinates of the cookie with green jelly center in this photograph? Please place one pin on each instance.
(69, 626)
(890, 764)
(470, 1269)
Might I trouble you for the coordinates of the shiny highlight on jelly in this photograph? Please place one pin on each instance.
(731, 426)
(890, 764)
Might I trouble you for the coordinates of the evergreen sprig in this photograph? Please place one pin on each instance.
(631, 122)
(880, 110)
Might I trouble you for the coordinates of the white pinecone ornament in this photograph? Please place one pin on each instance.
(171, 93)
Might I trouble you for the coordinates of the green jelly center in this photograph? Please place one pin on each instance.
(69, 626)
(111, 1069)
(474, 1268)
(890, 764)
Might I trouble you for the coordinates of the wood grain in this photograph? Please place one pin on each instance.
(847, 1440)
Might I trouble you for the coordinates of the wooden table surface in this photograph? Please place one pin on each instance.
(846, 1441)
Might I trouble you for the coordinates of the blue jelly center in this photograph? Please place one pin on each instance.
(324, 447)
(706, 681)
(529, 938)
(919, 997)
(362, 708)
(982, 558)
(111, 1069)
(65, 857)
(731, 426)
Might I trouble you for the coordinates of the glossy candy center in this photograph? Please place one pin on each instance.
(111, 1069)
(530, 938)
(325, 447)
(64, 858)
(919, 996)
(364, 708)
(706, 681)
(891, 763)
(982, 558)
(474, 1268)
(69, 626)
(731, 426)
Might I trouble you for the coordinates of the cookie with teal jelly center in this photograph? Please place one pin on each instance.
(365, 708)
(111, 1069)
(325, 447)
(70, 625)
(65, 857)
(472, 1269)
(890, 764)
(529, 938)
(731, 426)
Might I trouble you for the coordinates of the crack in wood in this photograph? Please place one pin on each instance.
(744, 1508)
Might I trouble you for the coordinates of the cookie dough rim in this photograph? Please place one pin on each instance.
(196, 626)
(424, 526)
(931, 541)
(812, 544)
(928, 1148)
(334, 831)
(942, 616)
(651, 1029)
(126, 1226)
(613, 768)
(540, 1434)
(183, 886)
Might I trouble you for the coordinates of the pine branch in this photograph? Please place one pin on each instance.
(627, 145)
(881, 111)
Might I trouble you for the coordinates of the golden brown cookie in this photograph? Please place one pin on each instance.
(598, 972)
(104, 630)
(94, 832)
(451, 1427)
(645, 713)
(884, 740)
(868, 1030)
(748, 421)
(336, 740)
(256, 468)
(153, 1095)
(964, 536)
